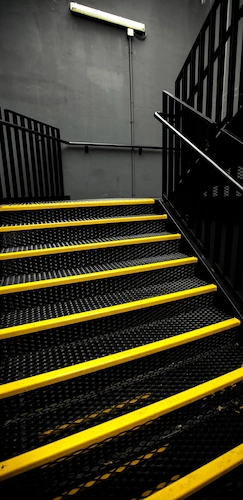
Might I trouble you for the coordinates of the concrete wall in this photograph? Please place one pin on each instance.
(72, 72)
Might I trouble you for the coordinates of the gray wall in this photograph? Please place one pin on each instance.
(72, 72)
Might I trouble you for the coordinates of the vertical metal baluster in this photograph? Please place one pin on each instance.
(50, 163)
(165, 152)
(55, 162)
(26, 158)
(32, 138)
(19, 157)
(221, 61)
(39, 161)
(11, 156)
(232, 59)
(240, 103)
(192, 77)
(200, 71)
(211, 40)
(44, 161)
(4, 160)
(171, 152)
(60, 169)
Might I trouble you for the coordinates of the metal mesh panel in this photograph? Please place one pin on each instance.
(109, 325)
(227, 487)
(54, 295)
(94, 301)
(68, 260)
(69, 213)
(146, 459)
(59, 410)
(106, 343)
(84, 233)
(26, 278)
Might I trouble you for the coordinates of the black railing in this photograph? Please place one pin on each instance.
(211, 79)
(31, 159)
(206, 194)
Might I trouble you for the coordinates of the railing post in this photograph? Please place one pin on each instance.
(165, 149)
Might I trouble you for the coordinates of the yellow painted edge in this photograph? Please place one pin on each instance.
(122, 271)
(76, 204)
(99, 433)
(199, 478)
(88, 246)
(47, 324)
(70, 372)
(87, 222)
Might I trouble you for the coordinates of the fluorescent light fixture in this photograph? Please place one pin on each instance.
(105, 16)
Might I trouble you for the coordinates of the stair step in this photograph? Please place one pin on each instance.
(76, 246)
(158, 463)
(12, 284)
(198, 479)
(72, 311)
(131, 323)
(28, 372)
(50, 212)
(83, 222)
(100, 433)
(40, 293)
(58, 232)
(53, 205)
(15, 284)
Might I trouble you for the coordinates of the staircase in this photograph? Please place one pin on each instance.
(121, 362)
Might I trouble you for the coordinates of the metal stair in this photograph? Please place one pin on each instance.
(121, 365)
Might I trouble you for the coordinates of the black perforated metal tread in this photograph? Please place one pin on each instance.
(67, 354)
(80, 258)
(145, 460)
(52, 274)
(66, 243)
(63, 409)
(229, 486)
(79, 233)
(68, 334)
(91, 302)
(74, 213)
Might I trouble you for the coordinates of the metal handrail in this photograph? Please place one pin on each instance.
(195, 111)
(238, 186)
(79, 143)
(201, 115)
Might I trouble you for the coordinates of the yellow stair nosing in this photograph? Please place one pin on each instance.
(111, 273)
(201, 477)
(99, 433)
(62, 374)
(76, 204)
(15, 331)
(84, 222)
(89, 246)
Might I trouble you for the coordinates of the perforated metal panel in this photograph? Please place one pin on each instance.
(81, 233)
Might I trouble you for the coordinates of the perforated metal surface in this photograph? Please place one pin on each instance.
(84, 233)
(147, 459)
(89, 300)
(68, 260)
(54, 295)
(227, 487)
(108, 325)
(69, 213)
(106, 343)
(52, 274)
(133, 465)
(60, 410)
